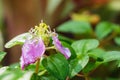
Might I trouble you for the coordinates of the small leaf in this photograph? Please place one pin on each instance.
(117, 40)
(32, 67)
(77, 64)
(75, 27)
(103, 29)
(91, 66)
(18, 40)
(111, 56)
(82, 46)
(97, 54)
(57, 65)
(2, 55)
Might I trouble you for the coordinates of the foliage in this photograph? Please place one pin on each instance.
(75, 27)
(55, 66)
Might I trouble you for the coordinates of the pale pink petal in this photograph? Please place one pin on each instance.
(31, 51)
(65, 51)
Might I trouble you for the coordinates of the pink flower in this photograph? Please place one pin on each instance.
(35, 45)
(65, 51)
(31, 51)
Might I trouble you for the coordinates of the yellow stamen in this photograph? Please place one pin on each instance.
(41, 29)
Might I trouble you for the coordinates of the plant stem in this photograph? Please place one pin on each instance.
(80, 75)
(86, 78)
(53, 47)
(37, 66)
(67, 78)
(83, 76)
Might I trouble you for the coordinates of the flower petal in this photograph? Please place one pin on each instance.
(31, 51)
(65, 51)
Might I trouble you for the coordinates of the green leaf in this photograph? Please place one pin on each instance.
(47, 77)
(2, 55)
(33, 66)
(103, 29)
(14, 65)
(26, 75)
(97, 54)
(35, 77)
(3, 69)
(82, 46)
(75, 27)
(18, 40)
(117, 40)
(16, 74)
(57, 65)
(77, 64)
(91, 66)
(111, 56)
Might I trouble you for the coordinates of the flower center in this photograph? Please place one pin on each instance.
(42, 30)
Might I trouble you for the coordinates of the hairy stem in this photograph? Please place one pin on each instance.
(37, 66)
